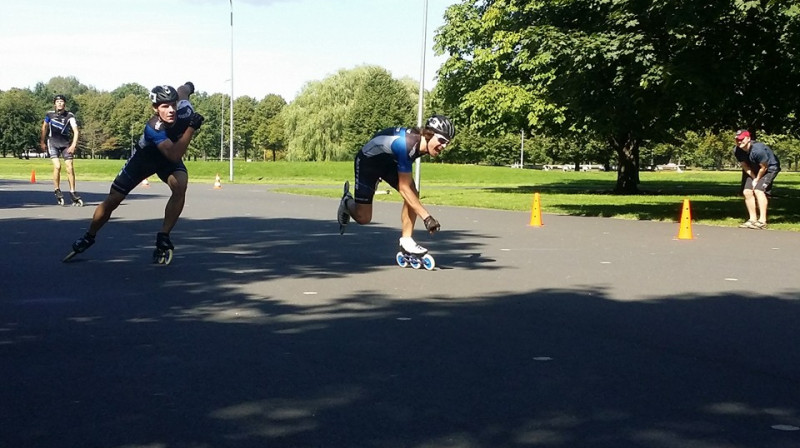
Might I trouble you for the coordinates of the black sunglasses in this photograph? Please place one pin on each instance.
(443, 140)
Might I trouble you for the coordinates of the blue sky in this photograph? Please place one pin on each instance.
(278, 45)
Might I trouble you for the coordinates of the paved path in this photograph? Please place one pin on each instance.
(270, 329)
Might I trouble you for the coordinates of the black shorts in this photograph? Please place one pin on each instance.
(142, 165)
(56, 151)
(370, 171)
(764, 184)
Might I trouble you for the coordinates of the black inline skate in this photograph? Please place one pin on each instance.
(343, 215)
(59, 196)
(76, 200)
(164, 248)
(80, 245)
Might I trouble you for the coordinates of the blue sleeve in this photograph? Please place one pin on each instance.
(151, 136)
(400, 151)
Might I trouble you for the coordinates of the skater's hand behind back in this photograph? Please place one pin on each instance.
(431, 224)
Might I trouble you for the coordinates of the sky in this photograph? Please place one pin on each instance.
(278, 45)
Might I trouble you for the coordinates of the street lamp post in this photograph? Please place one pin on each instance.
(420, 105)
(221, 127)
(231, 124)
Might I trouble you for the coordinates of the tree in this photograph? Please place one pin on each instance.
(268, 124)
(20, 121)
(622, 71)
(328, 116)
(94, 119)
(128, 119)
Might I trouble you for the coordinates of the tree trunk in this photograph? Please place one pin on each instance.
(627, 148)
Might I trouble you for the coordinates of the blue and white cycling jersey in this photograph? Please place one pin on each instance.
(400, 143)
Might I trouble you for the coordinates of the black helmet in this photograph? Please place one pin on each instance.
(59, 97)
(163, 94)
(442, 126)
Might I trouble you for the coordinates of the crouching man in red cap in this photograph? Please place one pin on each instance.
(760, 166)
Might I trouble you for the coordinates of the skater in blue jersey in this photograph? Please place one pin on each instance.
(163, 143)
(59, 137)
(389, 156)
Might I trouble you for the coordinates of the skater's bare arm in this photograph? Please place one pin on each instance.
(43, 136)
(405, 186)
(174, 151)
(75, 134)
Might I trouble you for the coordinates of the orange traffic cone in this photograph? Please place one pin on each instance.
(33, 176)
(685, 232)
(536, 212)
(145, 183)
(217, 183)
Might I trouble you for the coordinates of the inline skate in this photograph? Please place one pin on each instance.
(59, 196)
(76, 200)
(164, 249)
(343, 215)
(80, 245)
(413, 254)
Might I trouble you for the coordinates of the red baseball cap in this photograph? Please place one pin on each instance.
(741, 134)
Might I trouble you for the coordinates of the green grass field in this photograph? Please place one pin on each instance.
(713, 195)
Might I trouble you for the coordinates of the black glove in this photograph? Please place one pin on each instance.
(190, 85)
(431, 224)
(196, 120)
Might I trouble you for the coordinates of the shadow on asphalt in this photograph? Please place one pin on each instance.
(120, 355)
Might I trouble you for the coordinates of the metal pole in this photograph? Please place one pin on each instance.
(222, 127)
(231, 123)
(521, 147)
(420, 106)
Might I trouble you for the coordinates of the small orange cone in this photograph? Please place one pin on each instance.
(536, 212)
(217, 183)
(145, 183)
(686, 222)
(33, 176)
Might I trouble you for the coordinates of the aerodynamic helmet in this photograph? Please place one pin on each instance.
(442, 126)
(163, 94)
(59, 97)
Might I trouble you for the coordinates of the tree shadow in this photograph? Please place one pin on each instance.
(225, 348)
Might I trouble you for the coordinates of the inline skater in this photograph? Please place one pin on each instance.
(55, 138)
(388, 156)
(159, 150)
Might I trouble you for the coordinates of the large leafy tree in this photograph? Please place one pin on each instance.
(622, 71)
(20, 121)
(329, 118)
(268, 125)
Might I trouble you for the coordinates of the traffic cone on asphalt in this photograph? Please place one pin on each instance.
(685, 232)
(217, 183)
(145, 183)
(33, 176)
(536, 212)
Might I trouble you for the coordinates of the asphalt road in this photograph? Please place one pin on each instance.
(271, 329)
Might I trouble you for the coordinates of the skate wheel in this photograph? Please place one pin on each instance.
(428, 262)
(415, 263)
(69, 256)
(401, 260)
(162, 257)
(78, 203)
(60, 201)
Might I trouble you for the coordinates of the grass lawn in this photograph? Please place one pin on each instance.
(713, 195)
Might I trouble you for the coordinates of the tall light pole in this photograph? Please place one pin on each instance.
(420, 106)
(221, 126)
(231, 123)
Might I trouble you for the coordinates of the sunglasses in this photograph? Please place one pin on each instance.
(442, 140)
